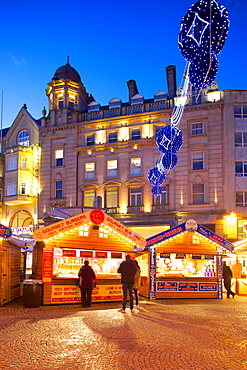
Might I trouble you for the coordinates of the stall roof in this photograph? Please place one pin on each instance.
(191, 226)
(240, 246)
(94, 217)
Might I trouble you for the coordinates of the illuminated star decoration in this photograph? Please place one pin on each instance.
(202, 35)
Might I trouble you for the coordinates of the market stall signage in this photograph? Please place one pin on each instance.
(192, 226)
(100, 254)
(116, 255)
(187, 287)
(5, 232)
(167, 286)
(208, 287)
(72, 293)
(164, 255)
(152, 273)
(69, 253)
(180, 256)
(47, 265)
(196, 257)
(96, 217)
(86, 254)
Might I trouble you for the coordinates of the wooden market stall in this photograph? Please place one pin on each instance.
(185, 262)
(10, 262)
(62, 248)
(239, 266)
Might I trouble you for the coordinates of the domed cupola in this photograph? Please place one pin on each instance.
(66, 92)
(68, 73)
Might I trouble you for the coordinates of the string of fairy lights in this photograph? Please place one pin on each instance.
(203, 31)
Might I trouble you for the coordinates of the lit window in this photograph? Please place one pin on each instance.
(240, 111)
(136, 134)
(12, 164)
(23, 138)
(241, 198)
(1, 171)
(197, 161)
(241, 139)
(90, 139)
(1, 195)
(23, 188)
(161, 199)
(103, 233)
(11, 188)
(112, 168)
(136, 197)
(112, 138)
(84, 230)
(59, 189)
(197, 128)
(23, 163)
(111, 198)
(240, 168)
(89, 198)
(89, 169)
(135, 166)
(198, 193)
(59, 157)
(71, 105)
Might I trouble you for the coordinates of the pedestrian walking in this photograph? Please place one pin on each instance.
(127, 269)
(227, 277)
(137, 284)
(86, 283)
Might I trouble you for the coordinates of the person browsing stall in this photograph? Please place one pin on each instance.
(127, 269)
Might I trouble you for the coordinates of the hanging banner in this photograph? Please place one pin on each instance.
(47, 265)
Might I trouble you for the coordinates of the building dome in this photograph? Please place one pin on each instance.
(67, 72)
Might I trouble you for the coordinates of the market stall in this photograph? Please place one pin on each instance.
(239, 266)
(62, 248)
(185, 262)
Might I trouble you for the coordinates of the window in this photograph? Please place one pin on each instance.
(240, 168)
(240, 111)
(59, 157)
(89, 170)
(111, 198)
(11, 188)
(135, 166)
(23, 163)
(197, 128)
(12, 164)
(198, 193)
(103, 232)
(136, 134)
(71, 105)
(90, 140)
(197, 161)
(136, 197)
(112, 138)
(1, 195)
(23, 138)
(241, 198)
(89, 198)
(112, 168)
(162, 198)
(23, 188)
(59, 189)
(1, 171)
(241, 139)
(60, 104)
(84, 230)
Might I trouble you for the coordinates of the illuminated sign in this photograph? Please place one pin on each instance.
(5, 232)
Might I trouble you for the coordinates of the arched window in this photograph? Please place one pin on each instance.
(23, 138)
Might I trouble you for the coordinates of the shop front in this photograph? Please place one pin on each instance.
(185, 262)
(63, 247)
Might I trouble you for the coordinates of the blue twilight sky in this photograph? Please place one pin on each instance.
(109, 42)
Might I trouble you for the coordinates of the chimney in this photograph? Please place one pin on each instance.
(171, 81)
(133, 90)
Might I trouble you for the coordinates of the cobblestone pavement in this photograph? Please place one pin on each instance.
(162, 335)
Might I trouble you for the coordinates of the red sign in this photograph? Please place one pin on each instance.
(97, 216)
(69, 253)
(100, 254)
(86, 254)
(116, 255)
(47, 265)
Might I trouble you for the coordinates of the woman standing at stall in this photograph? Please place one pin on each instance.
(137, 284)
(86, 284)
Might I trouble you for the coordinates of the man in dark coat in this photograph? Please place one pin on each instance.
(86, 284)
(127, 269)
(227, 276)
